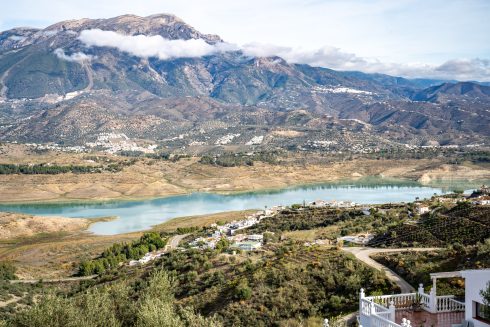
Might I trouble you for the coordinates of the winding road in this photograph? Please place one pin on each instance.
(364, 254)
(174, 242)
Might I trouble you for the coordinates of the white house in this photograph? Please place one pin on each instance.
(429, 309)
(255, 237)
(247, 245)
(357, 239)
(422, 209)
(475, 281)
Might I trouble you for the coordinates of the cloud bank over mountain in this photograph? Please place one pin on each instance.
(151, 46)
(335, 58)
(326, 56)
(74, 57)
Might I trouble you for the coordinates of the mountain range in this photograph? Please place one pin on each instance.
(57, 87)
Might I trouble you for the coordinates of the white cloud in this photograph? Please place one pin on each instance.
(74, 57)
(151, 46)
(327, 56)
(335, 58)
(478, 69)
(17, 38)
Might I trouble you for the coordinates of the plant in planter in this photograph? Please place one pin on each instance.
(417, 303)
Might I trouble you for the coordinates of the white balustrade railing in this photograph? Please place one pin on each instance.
(443, 303)
(365, 307)
(384, 314)
(457, 305)
(379, 308)
(447, 303)
(401, 301)
(374, 314)
(379, 311)
(378, 321)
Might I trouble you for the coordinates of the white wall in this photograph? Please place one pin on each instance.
(475, 281)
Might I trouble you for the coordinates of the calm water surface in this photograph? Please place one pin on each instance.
(140, 215)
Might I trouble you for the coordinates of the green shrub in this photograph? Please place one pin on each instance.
(7, 270)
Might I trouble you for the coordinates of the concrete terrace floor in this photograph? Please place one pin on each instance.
(427, 319)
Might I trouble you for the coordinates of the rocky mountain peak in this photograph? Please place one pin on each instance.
(166, 25)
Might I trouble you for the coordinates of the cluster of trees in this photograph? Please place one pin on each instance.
(239, 159)
(7, 169)
(157, 155)
(307, 218)
(121, 252)
(148, 303)
(45, 169)
(473, 156)
(453, 156)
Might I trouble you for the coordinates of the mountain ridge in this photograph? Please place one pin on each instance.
(51, 70)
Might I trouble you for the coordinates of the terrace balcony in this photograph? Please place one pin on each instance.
(422, 309)
(410, 309)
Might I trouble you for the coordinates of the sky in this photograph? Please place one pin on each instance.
(447, 39)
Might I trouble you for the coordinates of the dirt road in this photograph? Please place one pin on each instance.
(364, 254)
(55, 280)
(173, 243)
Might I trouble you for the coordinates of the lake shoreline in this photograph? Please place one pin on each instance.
(64, 201)
(142, 215)
(150, 179)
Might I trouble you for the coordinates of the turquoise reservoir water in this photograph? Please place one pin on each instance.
(141, 215)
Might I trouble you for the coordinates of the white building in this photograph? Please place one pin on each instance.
(357, 239)
(423, 209)
(255, 237)
(422, 309)
(475, 281)
(247, 245)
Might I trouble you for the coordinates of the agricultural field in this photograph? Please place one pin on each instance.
(464, 224)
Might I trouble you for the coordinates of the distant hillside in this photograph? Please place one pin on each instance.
(454, 90)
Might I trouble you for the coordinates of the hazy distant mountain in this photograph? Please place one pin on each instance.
(54, 86)
(468, 90)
